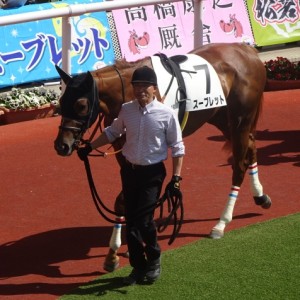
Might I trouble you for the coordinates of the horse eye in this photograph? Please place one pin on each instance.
(81, 107)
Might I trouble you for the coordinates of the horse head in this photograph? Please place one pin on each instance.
(79, 106)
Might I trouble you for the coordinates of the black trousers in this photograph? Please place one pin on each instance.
(142, 187)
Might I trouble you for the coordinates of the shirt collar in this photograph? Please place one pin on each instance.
(148, 107)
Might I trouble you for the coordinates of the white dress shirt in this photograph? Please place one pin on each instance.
(150, 131)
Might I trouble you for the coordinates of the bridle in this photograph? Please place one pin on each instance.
(82, 125)
(77, 131)
(71, 128)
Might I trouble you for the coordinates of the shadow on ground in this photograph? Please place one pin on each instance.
(282, 150)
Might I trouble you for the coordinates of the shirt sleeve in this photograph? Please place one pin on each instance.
(116, 129)
(174, 137)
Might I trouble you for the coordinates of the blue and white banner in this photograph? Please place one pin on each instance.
(29, 51)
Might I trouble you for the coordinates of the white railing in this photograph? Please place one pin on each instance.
(80, 9)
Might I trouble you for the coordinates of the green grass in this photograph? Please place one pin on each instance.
(261, 261)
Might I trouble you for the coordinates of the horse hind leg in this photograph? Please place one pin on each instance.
(239, 168)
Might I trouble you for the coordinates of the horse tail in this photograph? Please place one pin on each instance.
(258, 113)
(227, 146)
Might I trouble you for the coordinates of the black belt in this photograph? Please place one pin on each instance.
(139, 167)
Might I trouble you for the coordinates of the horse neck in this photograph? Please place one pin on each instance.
(114, 85)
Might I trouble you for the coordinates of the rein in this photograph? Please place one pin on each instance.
(122, 83)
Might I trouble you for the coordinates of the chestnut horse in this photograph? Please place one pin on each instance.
(242, 76)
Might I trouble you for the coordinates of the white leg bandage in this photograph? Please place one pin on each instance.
(226, 216)
(115, 240)
(256, 187)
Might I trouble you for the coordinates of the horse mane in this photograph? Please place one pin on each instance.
(123, 63)
(253, 50)
(120, 64)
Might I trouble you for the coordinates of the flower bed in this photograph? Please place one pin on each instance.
(282, 74)
(26, 104)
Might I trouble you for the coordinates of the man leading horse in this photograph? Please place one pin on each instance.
(151, 128)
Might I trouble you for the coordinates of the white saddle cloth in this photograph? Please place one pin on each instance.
(202, 83)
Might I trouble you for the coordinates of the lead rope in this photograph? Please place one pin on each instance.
(174, 203)
(97, 200)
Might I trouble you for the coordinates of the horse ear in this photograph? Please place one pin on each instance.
(63, 75)
(90, 78)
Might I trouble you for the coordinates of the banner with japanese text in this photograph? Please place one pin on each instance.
(274, 21)
(169, 27)
(29, 51)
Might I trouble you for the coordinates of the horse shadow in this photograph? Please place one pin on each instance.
(285, 143)
(282, 144)
(41, 254)
(182, 234)
(101, 286)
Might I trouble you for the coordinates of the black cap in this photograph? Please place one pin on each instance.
(144, 74)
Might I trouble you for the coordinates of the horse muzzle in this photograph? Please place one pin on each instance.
(69, 136)
(63, 148)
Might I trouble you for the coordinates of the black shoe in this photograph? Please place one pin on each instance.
(153, 270)
(136, 276)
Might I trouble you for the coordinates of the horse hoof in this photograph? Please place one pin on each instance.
(216, 234)
(264, 201)
(268, 202)
(111, 263)
(110, 267)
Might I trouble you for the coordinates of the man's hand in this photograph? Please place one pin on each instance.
(173, 187)
(83, 152)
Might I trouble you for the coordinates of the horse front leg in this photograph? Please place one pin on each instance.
(226, 217)
(112, 259)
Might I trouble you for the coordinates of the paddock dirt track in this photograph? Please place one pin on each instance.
(53, 239)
